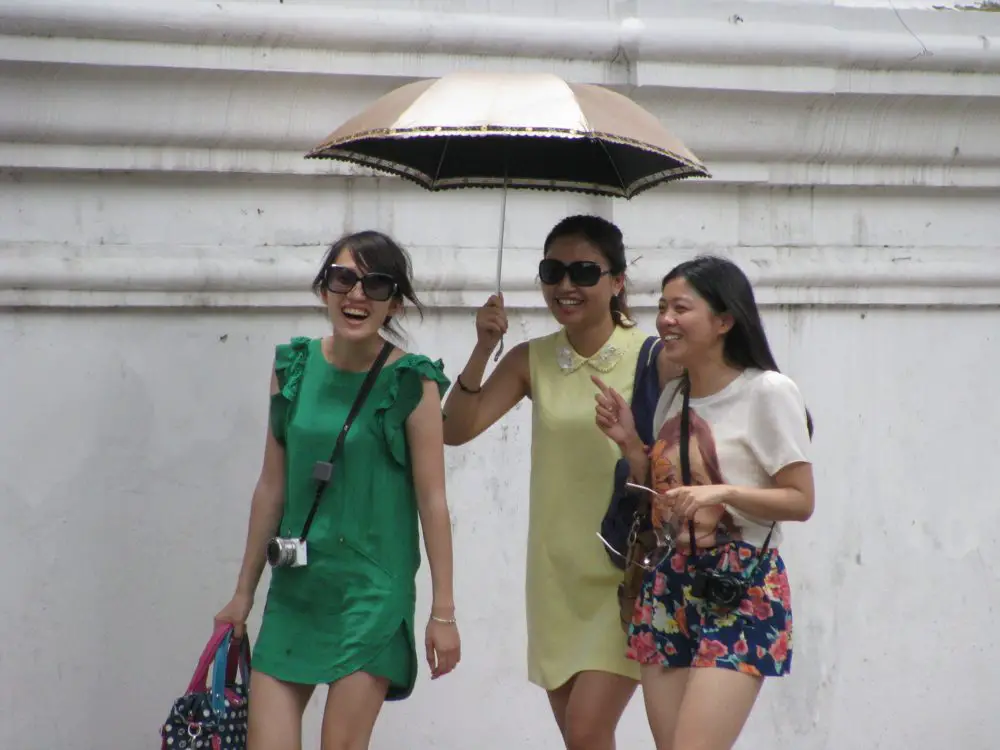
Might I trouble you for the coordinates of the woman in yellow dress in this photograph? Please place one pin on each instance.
(576, 647)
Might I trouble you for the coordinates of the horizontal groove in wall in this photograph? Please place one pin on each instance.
(456, 277)
(81, 158)
(721, 77)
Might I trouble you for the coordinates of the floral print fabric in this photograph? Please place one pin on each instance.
(672, 628)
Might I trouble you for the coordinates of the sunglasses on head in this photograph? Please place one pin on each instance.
(376, 286)
(581, 272)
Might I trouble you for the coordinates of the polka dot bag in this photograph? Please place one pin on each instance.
(213, 716)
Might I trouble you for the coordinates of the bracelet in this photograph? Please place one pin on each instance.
(443, 621)
(464, 387)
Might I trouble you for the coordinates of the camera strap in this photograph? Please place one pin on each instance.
(685, 450)
(323, 470)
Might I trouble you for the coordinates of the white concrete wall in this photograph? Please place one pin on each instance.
(158, 228)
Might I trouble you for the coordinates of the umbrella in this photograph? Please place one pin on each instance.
(513, 130)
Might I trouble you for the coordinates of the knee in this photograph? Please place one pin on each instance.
(588, 733)
(686, 745)
(345, 735)
(693, 740)
(344, 742)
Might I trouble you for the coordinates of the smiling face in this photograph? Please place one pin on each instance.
(691, 330)
(354, 298)
(576, 304)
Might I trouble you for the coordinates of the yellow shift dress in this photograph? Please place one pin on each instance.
(572, 601)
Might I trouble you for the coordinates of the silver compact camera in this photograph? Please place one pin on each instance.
(286, 553)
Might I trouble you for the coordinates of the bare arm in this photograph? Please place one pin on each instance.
(424, 436)
(637, 454)
(614, 418)
(793, 499)
(467, 415)
(265, 510)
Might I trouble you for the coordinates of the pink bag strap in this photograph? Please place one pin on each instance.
(199, 681)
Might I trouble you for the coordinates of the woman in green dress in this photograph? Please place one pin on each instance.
(345, 618)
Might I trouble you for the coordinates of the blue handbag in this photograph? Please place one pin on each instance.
(624, 510)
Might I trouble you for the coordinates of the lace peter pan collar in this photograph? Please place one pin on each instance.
(609, 355)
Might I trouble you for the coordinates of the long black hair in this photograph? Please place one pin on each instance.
(727, 290)
(374, 252)
(607, 238)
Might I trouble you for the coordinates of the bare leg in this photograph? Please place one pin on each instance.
(663, 692)
(275, 717)
(352, 706)
(588, 708)
(716, 705)
(559, 701)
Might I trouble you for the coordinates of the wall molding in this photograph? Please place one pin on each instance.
(900, 107)
(787, 95)
(685, 31)
(279, 277)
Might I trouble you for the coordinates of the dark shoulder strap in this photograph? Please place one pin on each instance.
(323, 470)
(646, 388)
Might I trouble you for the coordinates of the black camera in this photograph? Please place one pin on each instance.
(724, 590)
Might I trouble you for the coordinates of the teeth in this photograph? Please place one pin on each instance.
(569, 302)
(351, 312)
(672, 337)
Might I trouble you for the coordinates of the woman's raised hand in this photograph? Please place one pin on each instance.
(613, 414)
(491, 322)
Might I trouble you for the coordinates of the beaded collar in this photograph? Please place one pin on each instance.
(609, 355)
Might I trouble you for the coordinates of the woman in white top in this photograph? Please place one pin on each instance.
(714, 616)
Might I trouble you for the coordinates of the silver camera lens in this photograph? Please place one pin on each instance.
(281, 552)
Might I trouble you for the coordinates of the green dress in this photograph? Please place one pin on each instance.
(351, 608)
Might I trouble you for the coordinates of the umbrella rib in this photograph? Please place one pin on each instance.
(614, 166)
(590, 129)
(437, 172)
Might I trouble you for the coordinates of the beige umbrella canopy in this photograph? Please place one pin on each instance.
(514, 130)
(517, 130)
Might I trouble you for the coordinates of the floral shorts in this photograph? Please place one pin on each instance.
(672, 628)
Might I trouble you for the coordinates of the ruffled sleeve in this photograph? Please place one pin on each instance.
(405, 390)
(289, 365)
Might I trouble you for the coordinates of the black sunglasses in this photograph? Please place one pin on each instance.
(376, 286)
(581, 272)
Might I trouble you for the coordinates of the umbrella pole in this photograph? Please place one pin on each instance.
(503, 223)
